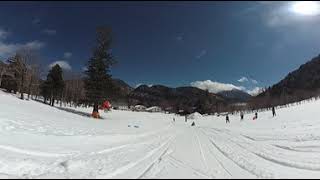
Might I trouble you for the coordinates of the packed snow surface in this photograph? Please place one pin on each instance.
(195, 115)
(39, 141)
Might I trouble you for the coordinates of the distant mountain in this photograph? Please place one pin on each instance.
(189, 99)
(235, 95)
(122, 85)
(299, 84)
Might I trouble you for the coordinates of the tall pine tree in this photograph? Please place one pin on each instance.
(98, 83)
(53, 87)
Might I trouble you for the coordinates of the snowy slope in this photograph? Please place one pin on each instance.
(39, 141)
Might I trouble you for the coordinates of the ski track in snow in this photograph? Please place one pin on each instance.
(39, 141)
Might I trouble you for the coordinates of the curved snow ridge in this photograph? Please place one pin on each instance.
(147, 142)
(127, 167)
(33, 153)
(276, 155)
(311, 161)
(240, 157)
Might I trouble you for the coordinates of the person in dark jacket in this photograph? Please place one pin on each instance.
(273, 112)
(255, 116)
(227, 119)
(241, 116)
(193, 124)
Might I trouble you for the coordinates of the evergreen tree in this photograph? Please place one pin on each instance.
(53, 87)
(98, 83)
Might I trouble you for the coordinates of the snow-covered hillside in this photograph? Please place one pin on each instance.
(39, 141)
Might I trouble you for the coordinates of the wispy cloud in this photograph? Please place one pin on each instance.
(67, 55)
(49, 32)
(8, 49)
(36, 45)
(63, 64)
(254, 81)
(202, 53)
(243, 79)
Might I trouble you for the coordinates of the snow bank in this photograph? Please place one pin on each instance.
(195, 115)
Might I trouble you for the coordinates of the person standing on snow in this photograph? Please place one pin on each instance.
(227, 119)
(273, 112)
(241, 116)
(255, 116)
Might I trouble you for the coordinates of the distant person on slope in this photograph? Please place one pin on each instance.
(227, 119)
(255, 116)
(241, 116)
(193, 124)
(273, 112)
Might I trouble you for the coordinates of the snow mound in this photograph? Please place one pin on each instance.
(195, 115)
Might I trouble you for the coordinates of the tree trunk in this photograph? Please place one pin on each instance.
(30, 86)
(21, 85)
(52, 101)
(1, 75)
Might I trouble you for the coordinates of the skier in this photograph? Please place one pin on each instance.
(273, 112)
(185, 118)
(227, 119)
(255, 116)
(174, 120)
(193, 124)
(241, 116)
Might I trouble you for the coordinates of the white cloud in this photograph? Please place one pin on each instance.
(49, 31)
(67, 55)
(254, 81)
(255, 91)
(8, 49)
(243, 79)
(63, 64)
(202, 53)
(35, 45)
(215, 87)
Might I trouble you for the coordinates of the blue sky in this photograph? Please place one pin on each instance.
(214, 45)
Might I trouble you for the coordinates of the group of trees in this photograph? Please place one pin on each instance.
(22, 73)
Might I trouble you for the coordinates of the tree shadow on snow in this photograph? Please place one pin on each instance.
(76, 112)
